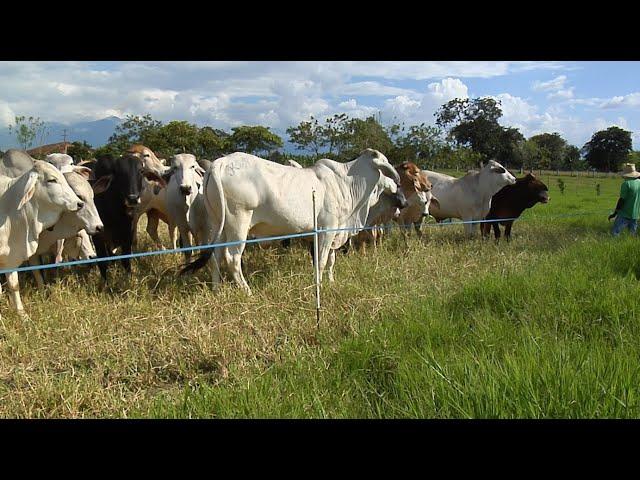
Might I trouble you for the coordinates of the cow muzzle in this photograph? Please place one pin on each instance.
(98, 229)
(185, 189)
(132, 200)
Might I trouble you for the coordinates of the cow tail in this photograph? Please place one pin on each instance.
(216, 172)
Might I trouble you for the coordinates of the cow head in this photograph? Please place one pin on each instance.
(389, 188)
(49, 187)
(149, 160)
(61, 161)
(494, 176)
(535, 190)
(122, 177)
(187, 174)
(88, 216)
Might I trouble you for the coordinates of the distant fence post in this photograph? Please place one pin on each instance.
(315, 259)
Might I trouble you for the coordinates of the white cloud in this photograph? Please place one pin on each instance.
(562, 94)
(371, 89)
(554, 84)
(420, 107)
(630, 100)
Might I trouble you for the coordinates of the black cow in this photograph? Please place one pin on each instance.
(117, 203)
(511, 201)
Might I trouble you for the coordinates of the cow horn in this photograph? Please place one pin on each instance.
(389, 171)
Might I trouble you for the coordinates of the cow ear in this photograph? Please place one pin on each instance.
(102, 184)
(154, 177)
(29, 189)
(166, 176)
(84, 171)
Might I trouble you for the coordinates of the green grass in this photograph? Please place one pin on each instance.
(544, 326)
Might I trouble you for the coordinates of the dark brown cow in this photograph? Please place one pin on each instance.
(511, 201)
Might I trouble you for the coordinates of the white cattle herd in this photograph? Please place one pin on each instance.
(47, 207)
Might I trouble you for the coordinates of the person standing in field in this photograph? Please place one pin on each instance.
(628, 207)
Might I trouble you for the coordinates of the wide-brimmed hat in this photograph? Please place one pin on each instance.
(629, 171)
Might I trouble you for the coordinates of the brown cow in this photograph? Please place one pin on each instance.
(511, 201)
(152, 198)
(416, 187)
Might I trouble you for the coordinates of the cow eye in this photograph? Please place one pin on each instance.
(52, 180)
(146, 155)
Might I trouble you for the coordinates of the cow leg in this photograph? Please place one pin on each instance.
(237, 228)
(496, 230)
(185, 235)
(469, 228)
(173, 236)
(507, 231)
(417, 226)
(14, 292)
(126, 262)
(101, 252)
(152, 228)
(37, 275)
(330, 263)
(324, 248)
(134, 228)
(485, 229)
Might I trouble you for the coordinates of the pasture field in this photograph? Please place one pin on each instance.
(546, 326)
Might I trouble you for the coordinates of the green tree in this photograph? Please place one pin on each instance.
(80, 151)
(308, 136)
(212, 143)
(28, 130)
(608, 149)
(571, 159)
(421, 143)
(108, 149)
(335, 133)
(474, 123)
(361, 134)
(136, 129)
(174, 137)
(254, 139)
(552, 148)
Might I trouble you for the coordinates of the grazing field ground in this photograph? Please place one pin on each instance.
(544, 326)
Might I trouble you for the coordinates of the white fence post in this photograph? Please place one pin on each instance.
(315, 259)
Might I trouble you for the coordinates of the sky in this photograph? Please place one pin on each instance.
(573, 98)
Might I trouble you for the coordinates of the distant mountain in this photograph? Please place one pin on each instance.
(95, 133)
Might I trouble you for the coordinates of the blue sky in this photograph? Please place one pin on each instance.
(573, 98)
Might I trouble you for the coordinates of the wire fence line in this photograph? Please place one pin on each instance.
(319, 231)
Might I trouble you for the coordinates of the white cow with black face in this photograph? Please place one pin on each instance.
(29, 204)
(468, 198)
(185, 200)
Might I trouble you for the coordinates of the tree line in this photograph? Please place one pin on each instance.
(466, 133)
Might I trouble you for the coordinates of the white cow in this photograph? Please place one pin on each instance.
(246, 194)
(30, 204)
(70, 223)
(468, 198)
(153, 202)
(185, 201)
